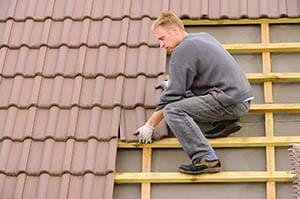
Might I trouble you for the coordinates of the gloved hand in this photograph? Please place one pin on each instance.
(144, 134)
(163, 85)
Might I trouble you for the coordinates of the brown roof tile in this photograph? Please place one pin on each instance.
(60, 91)
(141, 91)
(88, 62)
(139, 33)
(141, 8)
(104, 61)
(71, 33)
(114, 9)
(69, 62)
(56, 158)
(216, 9)
(72, 72)
(131, 119)
(49, 187)
(59, 10)
(294, 157)
(144, 60)
(59, 124)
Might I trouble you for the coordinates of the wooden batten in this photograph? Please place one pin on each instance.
(174, 177)
(222, 142)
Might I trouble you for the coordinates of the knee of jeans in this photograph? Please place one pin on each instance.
(171, 108)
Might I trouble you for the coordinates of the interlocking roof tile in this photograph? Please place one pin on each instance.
(139, 33)
(105, 61)
(137, 9)
(294, 159)
(59, 10)
(59, 91)
(56, 158)
(141, 91)
(132, 119)
(103, 92)
(54, 34)
(48, 187)
(216, 9)
(59, 124)
(70, 62)
(142, 8)
(144, 60)
(88, 62)
(76, 73)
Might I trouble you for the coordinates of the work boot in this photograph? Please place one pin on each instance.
(223, 128)
(201, 166)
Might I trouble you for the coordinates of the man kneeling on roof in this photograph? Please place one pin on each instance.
(206, 85)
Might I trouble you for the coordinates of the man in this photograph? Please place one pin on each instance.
(221, 93)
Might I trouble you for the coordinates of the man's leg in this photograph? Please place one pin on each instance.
(181, 116)
(226, 127)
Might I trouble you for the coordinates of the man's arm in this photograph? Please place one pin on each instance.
(155, 118)
(145, 132)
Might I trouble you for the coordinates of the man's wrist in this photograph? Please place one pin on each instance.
(149, 126)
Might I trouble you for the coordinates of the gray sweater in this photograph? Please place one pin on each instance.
(200, 64)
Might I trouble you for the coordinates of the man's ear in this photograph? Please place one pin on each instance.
(173, 30)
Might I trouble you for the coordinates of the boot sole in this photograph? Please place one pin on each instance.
(233, 128)
(208, 170)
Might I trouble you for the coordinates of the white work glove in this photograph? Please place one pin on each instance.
(163, 85)
(144, 134)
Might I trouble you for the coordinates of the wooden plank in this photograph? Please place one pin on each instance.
(230, 177)
(271, 190)
(221, 142)
(270, 150)
(275, 108)
(268, 93)
(189, 22)
(261, 47)
(274, 77)
(269, 76)
(146, 167)
(269, 124)
(147, 157)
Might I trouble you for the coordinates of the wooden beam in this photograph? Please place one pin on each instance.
(269, 76)
(146, 167)
(221, 142)
(269, 119)
(189, 22)
(273, 77)
(230, 177)
(275, 108)
(262, 47)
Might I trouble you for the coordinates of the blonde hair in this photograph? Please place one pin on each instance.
(167, 18)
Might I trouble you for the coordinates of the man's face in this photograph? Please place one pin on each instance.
(167, 37)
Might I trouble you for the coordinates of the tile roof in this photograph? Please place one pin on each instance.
(40, 10)
(77, 74)
(293, 153)
(235, 9)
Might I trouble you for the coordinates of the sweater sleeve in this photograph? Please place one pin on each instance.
(180, 80)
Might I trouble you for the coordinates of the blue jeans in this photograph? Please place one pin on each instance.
(182, 118)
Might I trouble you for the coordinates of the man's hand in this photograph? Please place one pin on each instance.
(163, 85)
(144, 134)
